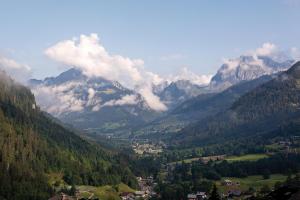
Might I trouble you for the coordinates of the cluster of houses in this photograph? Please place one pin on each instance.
(197, 196)
(228, 182)
(212, 158)
(63, 196)
(147, 148)
(146, 190)
(232, 188)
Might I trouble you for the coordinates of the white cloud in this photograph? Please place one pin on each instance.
(267, 49)
(125, 100)
(88, 55)
(152, 99)
(59, 99)
(271, 50)
(186, 74)
(17, 71)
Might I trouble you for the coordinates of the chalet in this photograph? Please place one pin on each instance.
(227, 182)
(127, 196)
(62, 196)
(201, 195)
(192, 197)
(212, 158)
(235, 193)
(140, 194)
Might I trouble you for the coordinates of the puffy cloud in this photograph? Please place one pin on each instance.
(17, 71)
(271, 50)
(186, 74)
(63, 96)
(267, 49)
(88, 55)
(125, 100)
(152, 99)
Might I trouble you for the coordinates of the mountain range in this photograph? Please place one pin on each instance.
(102, 106)
(269, 110)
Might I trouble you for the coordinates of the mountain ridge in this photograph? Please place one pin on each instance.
(262, 110)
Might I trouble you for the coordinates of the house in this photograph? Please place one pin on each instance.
(227, 182)
(140, 194)
(235, 193)
(201, 195)
(212, 158)
(192, 197)
(61, 196)
(127, 196)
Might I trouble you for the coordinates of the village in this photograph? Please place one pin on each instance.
(146, 190)
(147, 148)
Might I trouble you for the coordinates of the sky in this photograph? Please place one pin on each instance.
(166, 35)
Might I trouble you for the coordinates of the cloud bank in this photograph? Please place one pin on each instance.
(89, 55)
(125, 100)
(19, 72)
(186, 74)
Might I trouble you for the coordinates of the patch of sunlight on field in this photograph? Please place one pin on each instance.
(106, 192)
(252, 181)
(247, 157)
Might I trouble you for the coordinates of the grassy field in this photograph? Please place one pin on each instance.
(251, 181)
(189, 160)
(104, 192)
(247, 157)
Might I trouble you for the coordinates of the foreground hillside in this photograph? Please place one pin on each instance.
(33, 146)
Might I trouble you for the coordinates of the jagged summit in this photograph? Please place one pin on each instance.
(246, 67)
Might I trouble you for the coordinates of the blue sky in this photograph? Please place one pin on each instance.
(166, 34)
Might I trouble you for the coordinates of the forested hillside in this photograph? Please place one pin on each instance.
(33, 146)
(267, 109)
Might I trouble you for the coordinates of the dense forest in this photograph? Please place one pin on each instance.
(187, 178)
(33, 145)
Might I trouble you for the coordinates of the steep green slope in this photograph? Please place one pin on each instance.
(269, 108)
(32, 145)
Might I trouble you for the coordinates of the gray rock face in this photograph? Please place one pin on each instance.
(91, 103)
(246, 68)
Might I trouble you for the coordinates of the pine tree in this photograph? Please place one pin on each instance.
(214, 195)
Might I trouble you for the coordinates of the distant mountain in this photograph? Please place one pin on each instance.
(102, 106)
(264, 110)
(199, 107)
(246, 67)
(174, 93)
(94, 104)
(33, 147)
